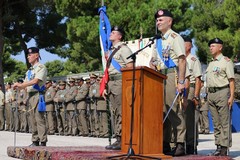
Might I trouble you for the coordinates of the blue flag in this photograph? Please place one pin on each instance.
(104, 31)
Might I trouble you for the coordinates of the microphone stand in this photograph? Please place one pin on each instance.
(131, 152)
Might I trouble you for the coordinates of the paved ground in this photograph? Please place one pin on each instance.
(206, 143)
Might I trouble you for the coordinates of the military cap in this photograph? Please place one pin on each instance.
(61, 82)
(100, 75)
(92, 75)
(187, 39)
(48, 80)
(71, 80)
(215, 40)
(119, 29)
(87, 80)
(81, 79)
(32, 50)
(163, 12)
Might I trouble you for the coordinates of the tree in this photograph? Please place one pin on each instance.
(55, 68)
(83, 21)
(216, 19)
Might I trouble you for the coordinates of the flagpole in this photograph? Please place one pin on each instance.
(102, 2)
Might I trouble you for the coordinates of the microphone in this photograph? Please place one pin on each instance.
(155, 37)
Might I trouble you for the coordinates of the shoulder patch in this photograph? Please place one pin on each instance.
(226, 58)
(193, 59)
(173, 35)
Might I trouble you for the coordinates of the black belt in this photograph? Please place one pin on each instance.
(215, 89)
(115, 77)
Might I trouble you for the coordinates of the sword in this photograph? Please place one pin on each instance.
(171, 107)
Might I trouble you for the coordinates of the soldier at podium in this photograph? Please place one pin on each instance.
(116, 60)
(169, 58)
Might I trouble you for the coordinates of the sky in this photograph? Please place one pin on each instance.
(45, 56)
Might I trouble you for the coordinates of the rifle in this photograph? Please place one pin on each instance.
(57, 109)
(75, 114)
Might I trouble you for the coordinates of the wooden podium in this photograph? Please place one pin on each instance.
(148, 111)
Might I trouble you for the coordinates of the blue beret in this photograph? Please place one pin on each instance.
(215, 40)
(163, 12)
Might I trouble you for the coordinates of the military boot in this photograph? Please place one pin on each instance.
(166, 148)
(35, 143)
(218, 151)
(115, 145)
(179, 150)
(43, 144)
(224, 151)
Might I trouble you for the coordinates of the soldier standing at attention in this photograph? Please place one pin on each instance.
(203, 117)
(169, 57)
(93, 92)
(21, 101)
(70, 106)
(50, 109)
(220, 83)
(1, 109)
(102, 111)
(116, 60)
(59, 100)
(35, 80)
(82, 108)
(8, 106)
(193, 105)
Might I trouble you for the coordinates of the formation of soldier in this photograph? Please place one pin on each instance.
(73, 108)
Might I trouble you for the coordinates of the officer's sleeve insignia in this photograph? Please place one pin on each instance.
(227, 59)
(173, 35)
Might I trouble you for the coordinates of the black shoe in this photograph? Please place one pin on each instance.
(166, 148)
(224, 151)
(179, 150)
(218, 151)
(34, 144)
(43, 144)
(117, 146)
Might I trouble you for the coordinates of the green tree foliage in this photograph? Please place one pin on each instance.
(83, 21)
(14, 69)
(212, 19)
(55, 68)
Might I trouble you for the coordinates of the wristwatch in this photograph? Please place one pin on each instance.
(181, 81)
(195, 97)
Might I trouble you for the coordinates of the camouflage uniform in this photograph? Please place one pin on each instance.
(82, 108)
(50, 109)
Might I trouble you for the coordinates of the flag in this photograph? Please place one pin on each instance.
(104, 32)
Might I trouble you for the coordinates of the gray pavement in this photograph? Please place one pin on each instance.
(206, 143)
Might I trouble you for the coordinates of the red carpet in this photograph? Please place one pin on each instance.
(81, 153)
